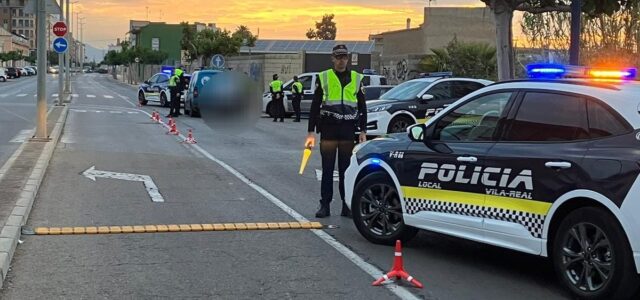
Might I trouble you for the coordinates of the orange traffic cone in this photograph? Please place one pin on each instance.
(171, 121)
(174, 128)
(190, 139)
(397, 271)
(153, 116)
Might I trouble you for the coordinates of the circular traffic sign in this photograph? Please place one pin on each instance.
(217, 61)
(60, 45)
(59, 28)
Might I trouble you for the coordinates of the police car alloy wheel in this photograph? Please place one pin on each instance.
(400, 124)
(591, 256)
(141, 98)
(163, 100)
(377, 212)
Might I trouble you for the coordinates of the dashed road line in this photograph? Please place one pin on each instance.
(21, 95)
(108, 96)
(172, 228)
(91, 96)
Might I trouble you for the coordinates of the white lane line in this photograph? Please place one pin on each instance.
(77, 110)
(115, 112)
(97, 111)
(132, 112)
(54, 95)
(3, 95)
(75, 95)
(22, 136)
(21, 95)
(91, 96)
(108, 96)
(368, 268)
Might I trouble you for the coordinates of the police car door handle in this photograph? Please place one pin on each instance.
(467, 159)
(558, 164)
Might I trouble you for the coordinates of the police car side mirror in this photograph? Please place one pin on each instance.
(416, 132)
(427, 97)
(146, 82)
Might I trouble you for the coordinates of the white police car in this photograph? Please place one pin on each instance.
(549, 167)
(416, 100)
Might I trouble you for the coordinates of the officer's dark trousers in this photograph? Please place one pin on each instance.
(175, 101)
(278, 106)
(296, 106)
(329, 149)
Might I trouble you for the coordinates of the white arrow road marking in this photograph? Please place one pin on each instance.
(151, 187)
(336, 175)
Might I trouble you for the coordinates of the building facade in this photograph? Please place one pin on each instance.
(398, 53)
(11, 42)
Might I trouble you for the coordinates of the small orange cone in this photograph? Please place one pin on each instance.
(174, 128)
(154, 116)
(397, 271)
(171, 121)
(190, 139)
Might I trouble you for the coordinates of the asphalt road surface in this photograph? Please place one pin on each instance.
(18, 111)
(258, 183)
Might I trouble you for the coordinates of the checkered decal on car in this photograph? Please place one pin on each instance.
(533, 222)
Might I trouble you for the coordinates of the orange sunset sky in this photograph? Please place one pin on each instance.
(106, 20)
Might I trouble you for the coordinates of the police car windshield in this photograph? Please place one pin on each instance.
(405, 91)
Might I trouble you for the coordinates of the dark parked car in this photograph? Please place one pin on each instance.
(13, 72)
(373, 92)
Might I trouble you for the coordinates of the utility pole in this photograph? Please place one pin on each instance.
(60, 61)
(41, 106)
(67, 73)
(81, 43)
(574, 47)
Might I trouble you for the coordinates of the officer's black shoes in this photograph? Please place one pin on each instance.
(324, 211)
(168, 116)
(346, 212)
(281, 120)
(275, 120)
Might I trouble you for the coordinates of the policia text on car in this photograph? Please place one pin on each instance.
(338, 106)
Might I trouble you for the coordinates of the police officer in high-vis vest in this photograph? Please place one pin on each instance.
(175, 82)
(296, 97)
(338, 108)
(277, 98)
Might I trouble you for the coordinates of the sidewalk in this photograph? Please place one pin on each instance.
(20, 179)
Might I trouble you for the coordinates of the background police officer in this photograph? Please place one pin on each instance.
(277, 98)
(175, 82)
(338, 107)
(296, 94)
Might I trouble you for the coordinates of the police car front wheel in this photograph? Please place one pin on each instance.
(592, 256)
(399, 124)
(377, 212)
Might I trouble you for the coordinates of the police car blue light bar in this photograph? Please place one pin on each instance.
(546, 70)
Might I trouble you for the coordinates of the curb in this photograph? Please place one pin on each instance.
(10, 234)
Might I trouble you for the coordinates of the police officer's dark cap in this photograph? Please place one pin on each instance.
(340, 50)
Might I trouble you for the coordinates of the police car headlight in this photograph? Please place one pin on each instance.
(359, 146)
(379, 108)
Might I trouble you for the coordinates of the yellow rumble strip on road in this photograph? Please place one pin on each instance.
(176, 228)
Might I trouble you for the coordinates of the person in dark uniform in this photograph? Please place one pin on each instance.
(338, 108)
(277, 98)
(296, 94)
(174, 86)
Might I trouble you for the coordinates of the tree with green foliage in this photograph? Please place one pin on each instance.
(244, 35)
(604, 40)
(464, 59)
(187, 43)
(206, 43)
(326, 29)
(503, 11)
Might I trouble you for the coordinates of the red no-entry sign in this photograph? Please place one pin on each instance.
(59, 28)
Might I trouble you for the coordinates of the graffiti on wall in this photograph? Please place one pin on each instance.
(399, 71)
